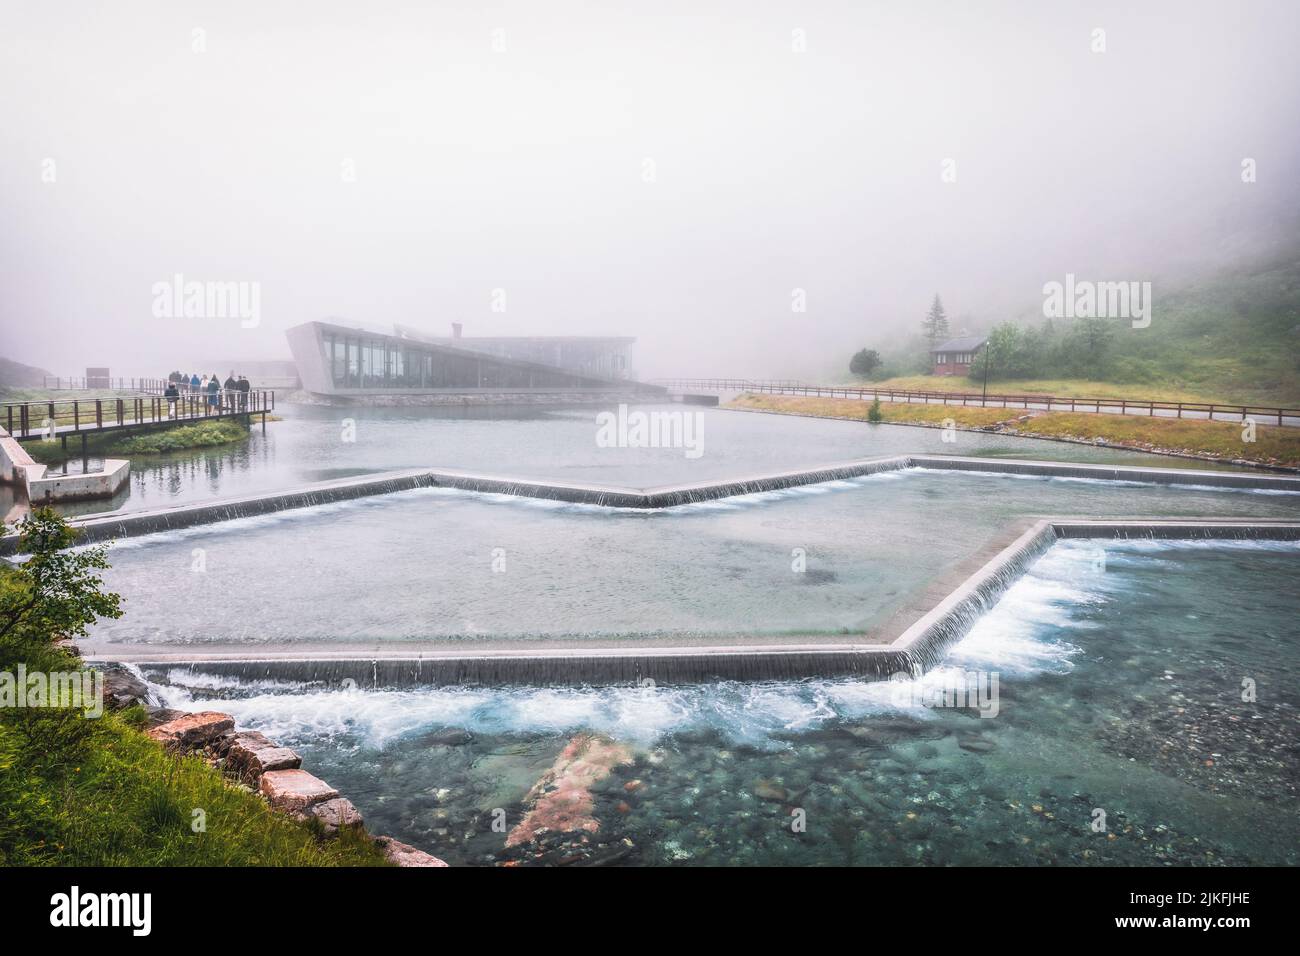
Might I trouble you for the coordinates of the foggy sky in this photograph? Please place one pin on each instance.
(524, 170)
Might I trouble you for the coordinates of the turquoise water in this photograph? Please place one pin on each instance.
(316, 443)
(1121, 670)
(443, 567)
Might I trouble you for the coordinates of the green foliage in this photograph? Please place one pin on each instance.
(1235, 335)
(874, 414)
(864, 362)
(76, 790)
(56, 591)
(182, 437)
(117, 799)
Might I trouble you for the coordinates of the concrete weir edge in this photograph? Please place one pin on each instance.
(103, 527)
(920, 646)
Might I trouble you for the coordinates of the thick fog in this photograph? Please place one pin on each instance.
(685, 172)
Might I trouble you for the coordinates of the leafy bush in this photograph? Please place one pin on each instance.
(182, 437)
(97, 792)
(864, 362)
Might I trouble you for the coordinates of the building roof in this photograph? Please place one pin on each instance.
(404, 331)
(968, 343)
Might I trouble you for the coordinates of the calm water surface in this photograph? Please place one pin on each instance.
(316, 443)
(443, 567)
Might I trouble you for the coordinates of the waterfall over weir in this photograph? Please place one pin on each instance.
(121, 525)
(917, 649)
(631, 667)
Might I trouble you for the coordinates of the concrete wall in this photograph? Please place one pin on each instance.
(52, 488)
(16, 466)
(41, 487)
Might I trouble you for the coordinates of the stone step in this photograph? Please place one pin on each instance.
(192, 731)
(402, 854)
(252, 754)
(294, 791)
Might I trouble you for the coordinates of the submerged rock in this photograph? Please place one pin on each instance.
(769, 790)
(561, 801)
(450, 737)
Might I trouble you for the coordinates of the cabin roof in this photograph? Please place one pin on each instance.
(968, 343)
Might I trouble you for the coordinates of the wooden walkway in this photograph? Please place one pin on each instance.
(48, 421)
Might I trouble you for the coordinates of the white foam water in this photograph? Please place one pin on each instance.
(1110, 482)
(1012, 640)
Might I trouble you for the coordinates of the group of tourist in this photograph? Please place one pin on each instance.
(213, 393)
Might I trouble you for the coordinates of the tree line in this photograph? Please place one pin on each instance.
(1077, 348)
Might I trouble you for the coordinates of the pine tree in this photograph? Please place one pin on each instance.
(935, 324)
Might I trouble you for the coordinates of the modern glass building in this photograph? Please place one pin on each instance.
(602, 356)
(334, 359)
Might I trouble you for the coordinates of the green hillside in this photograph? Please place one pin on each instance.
(1233, 337)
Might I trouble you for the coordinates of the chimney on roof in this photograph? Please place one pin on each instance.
(455, 330)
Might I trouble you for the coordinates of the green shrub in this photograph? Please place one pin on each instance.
(180, 438)
(87, 791)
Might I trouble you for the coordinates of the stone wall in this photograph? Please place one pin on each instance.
(251, 759)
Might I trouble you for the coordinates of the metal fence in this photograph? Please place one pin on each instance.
(148, 385)
(1049, 403)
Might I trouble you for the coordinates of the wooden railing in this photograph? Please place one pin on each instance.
(1124, 406)
(71, 416)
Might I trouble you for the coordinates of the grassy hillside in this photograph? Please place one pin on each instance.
(77, 790)
(1235, 336)
(1231, 337)
(17, 375)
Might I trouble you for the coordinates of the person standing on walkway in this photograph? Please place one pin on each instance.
(230, 386)
(214, 393)
(172, 394)
(244, 388)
